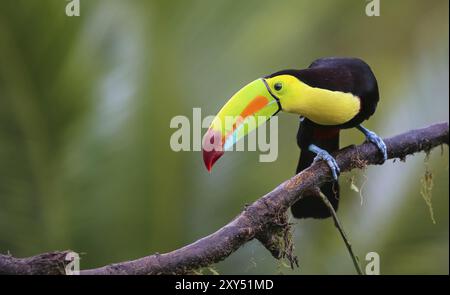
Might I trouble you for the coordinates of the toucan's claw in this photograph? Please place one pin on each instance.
(324, 155)
(375, 139)
(378, 141)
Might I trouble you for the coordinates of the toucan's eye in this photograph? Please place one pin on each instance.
(278, 86)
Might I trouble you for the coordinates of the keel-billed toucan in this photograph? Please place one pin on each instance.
(331, 94)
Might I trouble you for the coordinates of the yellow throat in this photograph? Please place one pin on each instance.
(322, 106)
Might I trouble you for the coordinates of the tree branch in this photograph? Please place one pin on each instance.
(344, 236)
(52, 263)
(265, 219)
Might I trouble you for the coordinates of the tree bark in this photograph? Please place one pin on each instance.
(265, 219)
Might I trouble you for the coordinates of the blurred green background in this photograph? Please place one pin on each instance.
(86, 102)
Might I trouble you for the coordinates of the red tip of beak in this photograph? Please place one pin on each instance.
(212, 148)
(210, 157)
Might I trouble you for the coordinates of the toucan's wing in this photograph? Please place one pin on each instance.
(349, 75)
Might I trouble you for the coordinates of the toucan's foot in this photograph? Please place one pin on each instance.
(324, 155)
(375, 139)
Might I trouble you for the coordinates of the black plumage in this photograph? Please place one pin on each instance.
(349, 75)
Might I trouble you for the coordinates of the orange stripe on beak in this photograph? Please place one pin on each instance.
(211, 156)
(254, 106)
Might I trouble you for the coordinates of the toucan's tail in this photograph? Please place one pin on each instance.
(310, 205)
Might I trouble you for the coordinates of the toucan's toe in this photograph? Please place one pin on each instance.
(331, 162)
(378, 141)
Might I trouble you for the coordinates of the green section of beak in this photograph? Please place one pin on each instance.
(248, 109)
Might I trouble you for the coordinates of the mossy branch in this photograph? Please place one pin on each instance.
(264, 220)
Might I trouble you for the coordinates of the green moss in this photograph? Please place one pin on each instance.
(427, 188)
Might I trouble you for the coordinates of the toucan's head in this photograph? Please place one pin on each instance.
(258, 101)
(324, 93)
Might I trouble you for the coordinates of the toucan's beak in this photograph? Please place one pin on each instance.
(249, 108)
